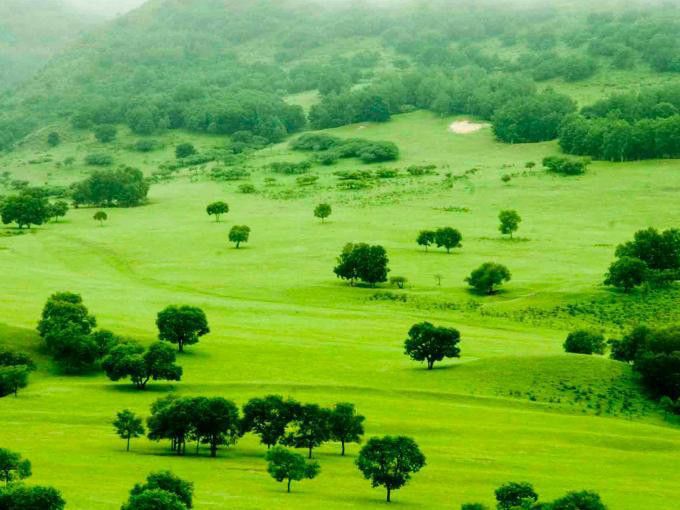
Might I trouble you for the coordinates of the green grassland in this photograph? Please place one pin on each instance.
(514, 407)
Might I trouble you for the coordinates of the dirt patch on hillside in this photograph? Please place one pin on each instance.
(463, 127)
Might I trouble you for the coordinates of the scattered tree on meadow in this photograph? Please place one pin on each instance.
(362, 262)
(389, 462)
(217, 209)
(53, 139)
(626, 273)
(513, 495)
(398, 281)
(57, 210)
(323, 211)
(509, 222)
(15, 368)
(22, 497)
(285, 465)
(585, 342)
(13, 467)
(216, 422)
(448, 238)
(487, 277)
(268, 417)
(105, 133)
(430, 343)
(101, 217)
(182, 325)
(582, 500)
(184, 150)
(162, 491)
(426, 238)
(130, 359)
(346, 426)
(309, 428)
(25, 209)
(128, 425)
(239, 234)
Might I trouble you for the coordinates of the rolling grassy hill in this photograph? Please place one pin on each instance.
(513, 407)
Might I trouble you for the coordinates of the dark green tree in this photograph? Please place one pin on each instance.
(430, 343)
(513, 495)
(626, 273)
(182, 325)
(105, 133)
(284, 465)
(13, 467)
(362, 262)
(53, 139)
(12, 379)
(309, 428)
(346, 426)
(22, 497)
(169, 483)
(57, 210)
(217, 209)
(585, 342)
(184, 150)
(129, 359)
(448, 238)
(582, 500)
(426, 238)
(390, 461)
(101, 217)
(128, 425)
(216, 423)
(154, 499)
(239, 234)
(509, 222)
(487, 277)
(25, 210)
(323, 211)
(268, 417)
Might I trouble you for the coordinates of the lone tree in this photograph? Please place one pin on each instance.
(390, 461)
(488, 276)
(25, 210)
(130, 360)
(626, 273)
(426, 238)
(287, 465)
(101, 217)
(448, 238)
(128, 425)
(510, 221)
(154, 499)
(585, 342)
(309, 428)
(22, 497)
(239, 234)
(430, 343)
(268, 417)
(105, 133)
(217, 209)
(57, 210)
(362, 262)
(162, 491)
(323, 211)
(182, 325)
(12, 379)
(53, 139)
(514, 495)
(184, 150)
(346, 425)
(13, 467)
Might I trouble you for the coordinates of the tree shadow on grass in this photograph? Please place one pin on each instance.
(158, 388)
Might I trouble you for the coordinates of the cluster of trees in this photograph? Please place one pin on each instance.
(14, 495)
(31, 207)
(329, 149)
(523, 496)
(162, 491)
(68, 330)
(565, 166)
(445, 237)
(651, 258)
(123, 187)
(15, 368)
(216, 421)
(360, 261)
(626, 126)
(584, 341)
(655, 354)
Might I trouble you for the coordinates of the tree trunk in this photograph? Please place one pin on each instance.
(128, 443)
(389, 498)
(180, 345)
(430, 364)
(213, 448)
(310, 452)
(289, 481)
(343, 448)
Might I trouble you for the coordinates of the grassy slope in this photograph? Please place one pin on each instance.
(514, 407)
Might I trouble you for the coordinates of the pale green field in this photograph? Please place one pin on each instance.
(282, 323)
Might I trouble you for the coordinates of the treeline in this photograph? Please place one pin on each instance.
(626, 127)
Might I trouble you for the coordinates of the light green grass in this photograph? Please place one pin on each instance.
(281, 323)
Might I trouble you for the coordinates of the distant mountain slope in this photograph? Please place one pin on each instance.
(31, 32)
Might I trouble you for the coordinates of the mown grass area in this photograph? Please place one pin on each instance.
(513, 407)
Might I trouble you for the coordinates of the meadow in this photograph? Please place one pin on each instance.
(513, 407)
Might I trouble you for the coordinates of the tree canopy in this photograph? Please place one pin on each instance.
(182, 325)
(430, 343)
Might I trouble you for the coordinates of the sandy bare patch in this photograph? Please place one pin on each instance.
(463, 127)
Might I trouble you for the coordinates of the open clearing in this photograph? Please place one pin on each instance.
(281, 323)
(463, 127)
